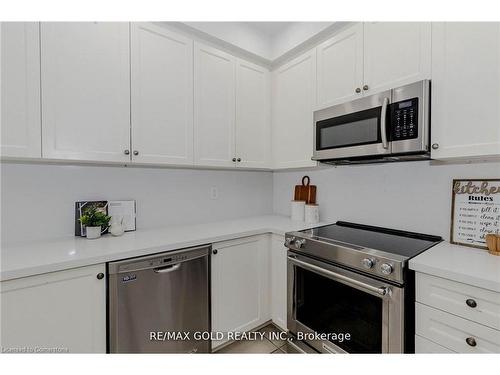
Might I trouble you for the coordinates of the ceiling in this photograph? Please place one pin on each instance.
(271, 29)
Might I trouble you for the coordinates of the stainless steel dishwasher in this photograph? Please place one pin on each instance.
(153, 295)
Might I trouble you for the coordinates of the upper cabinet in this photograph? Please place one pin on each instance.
(162, 95)
(367, 58)
(253, 110)
(340, 67)
(395, 54)
(86, 90)
(465, 90)
(214, 107)
(294, 95)
(20, 89)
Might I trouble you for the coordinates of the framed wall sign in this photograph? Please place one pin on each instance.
(475, 211)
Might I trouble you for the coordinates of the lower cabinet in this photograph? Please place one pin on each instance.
(455, 317)
(62, 311)
(278, 281)
(240, 285)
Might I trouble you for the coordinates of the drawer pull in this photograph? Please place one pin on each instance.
(471, 341)
(471, 303)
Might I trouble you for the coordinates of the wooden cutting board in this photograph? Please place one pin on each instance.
(305, 192)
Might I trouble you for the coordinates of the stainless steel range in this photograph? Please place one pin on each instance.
(350, 289)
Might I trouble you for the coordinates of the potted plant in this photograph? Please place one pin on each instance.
(95, 222)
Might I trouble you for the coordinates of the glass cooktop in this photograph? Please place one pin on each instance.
(406, 244)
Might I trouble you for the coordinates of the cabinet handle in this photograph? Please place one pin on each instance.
(234, 160)
(214, 251)
(471, 341)
(365, 87)
(471, 303)
(126, 152)
(435, 146)
(358, 90)
(136, 152)
(100, 276)
(238, 160)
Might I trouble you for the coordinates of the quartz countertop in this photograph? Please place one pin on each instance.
(460, 263)
(31, 258)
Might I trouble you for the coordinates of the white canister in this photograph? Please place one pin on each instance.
(311, 213)
(298, 210)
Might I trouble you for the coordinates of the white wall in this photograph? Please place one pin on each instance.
(37, 201)
(413, 196)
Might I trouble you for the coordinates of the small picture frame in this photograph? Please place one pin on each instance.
(475, 211)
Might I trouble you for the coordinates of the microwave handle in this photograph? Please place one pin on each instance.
(383, 124)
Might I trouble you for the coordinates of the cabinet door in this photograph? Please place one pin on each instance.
(214, 107)
(65, 310)
(240, 282)
(395, 53)
(278, 282)
(162, 95)
(465, 90)
(20, 89)
(294, 92)
(253, 126)
(340, 67)
(86, 90)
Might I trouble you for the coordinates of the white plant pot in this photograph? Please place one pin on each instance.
(93, 232)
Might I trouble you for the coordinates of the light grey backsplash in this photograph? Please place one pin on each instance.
(413, 196)
(37, 201)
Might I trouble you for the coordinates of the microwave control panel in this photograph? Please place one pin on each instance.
(404, 120)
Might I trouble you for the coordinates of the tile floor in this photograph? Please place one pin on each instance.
(269, 345)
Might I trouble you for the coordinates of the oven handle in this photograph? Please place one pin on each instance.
(334, 275)
(383, 125)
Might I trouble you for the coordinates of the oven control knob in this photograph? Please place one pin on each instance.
(289, 241)
(368, 263)
(300, 243)
(386, 269)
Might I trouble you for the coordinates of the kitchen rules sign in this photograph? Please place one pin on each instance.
(475, 211)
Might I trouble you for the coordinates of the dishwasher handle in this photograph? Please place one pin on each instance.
(167, 269)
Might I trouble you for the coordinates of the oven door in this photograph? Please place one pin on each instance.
(326, 299)
(355, 129)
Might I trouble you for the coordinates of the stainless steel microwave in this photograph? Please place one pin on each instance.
(393, 125)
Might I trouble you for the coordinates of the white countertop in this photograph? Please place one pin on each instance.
(25, 259)
(460, 263)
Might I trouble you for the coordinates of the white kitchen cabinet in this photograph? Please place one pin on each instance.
(294, 95)
(278, 281)
(20, 89)
(340, 67)
(64, 310)
(424, 346)
(465, 90)
(162, 95)
(85, 74)
(240, 284)
(395, 54)
(214, 107)
(253, 111)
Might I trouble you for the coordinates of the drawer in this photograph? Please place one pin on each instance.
(424, 346)
(451, 331)
(476, 304)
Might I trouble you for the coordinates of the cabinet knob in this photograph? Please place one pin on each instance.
(471, 341)
(238, 160)
(471, 303)
(435, 146)
(100, 276)
(365, 87)
(214, 251)
(126, 152)
(136, 152)
(358, 90)
(234, 159)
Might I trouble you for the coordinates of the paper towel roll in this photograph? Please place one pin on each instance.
(311, 213)
(298, 210)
